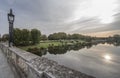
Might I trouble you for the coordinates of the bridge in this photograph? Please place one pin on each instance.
(17, 63)
(5, 70)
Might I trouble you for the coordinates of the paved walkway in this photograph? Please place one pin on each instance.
(5, 71)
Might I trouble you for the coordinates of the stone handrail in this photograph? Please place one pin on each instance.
(28, 65)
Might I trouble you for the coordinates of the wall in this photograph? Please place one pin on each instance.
(27, 65)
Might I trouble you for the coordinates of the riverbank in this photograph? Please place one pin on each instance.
(47, 43)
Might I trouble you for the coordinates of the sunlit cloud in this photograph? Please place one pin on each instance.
(102, 9)
(104, 33)
(93, 17)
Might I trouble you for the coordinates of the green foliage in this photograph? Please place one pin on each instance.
(37, 51)
(57, 36)
(25, 36)
(35, 36)
(43, 37)
(17, 36)
(76, 36)
(64, 36)
(21, 37)
(44, 44)
(5, 37)
(0, 39)
(116, 38)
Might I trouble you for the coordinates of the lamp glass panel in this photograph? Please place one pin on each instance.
(11, 18)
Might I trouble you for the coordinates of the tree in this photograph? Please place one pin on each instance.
(69, 37)
(75, 36)
(43, 37)
(25, 37)
(0, 38)
(62, 35)
(35, 36)
(17, 36)
(57, 36)
(5, 37)
(50, 37)
(116, 38)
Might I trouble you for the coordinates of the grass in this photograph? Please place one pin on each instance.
(41, 44)
(45, 44)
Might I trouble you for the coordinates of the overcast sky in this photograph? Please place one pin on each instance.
(91, 17)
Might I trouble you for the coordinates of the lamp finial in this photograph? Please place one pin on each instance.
(10, 11)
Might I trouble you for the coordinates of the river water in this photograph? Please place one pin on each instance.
(101, 61)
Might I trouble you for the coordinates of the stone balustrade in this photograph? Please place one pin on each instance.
(28, 65)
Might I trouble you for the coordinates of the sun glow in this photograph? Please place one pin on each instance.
(102, 9)
(107, 57)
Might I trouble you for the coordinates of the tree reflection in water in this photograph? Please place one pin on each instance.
(62, 49)
(38, 51)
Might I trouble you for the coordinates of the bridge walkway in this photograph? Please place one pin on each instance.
(5, 70)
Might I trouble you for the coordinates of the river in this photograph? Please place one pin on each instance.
(101, 61)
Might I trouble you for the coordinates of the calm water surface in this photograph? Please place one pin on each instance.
(101, 61)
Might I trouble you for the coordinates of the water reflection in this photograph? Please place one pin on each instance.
(57, 49)
(114, 43)
(107, 57)
(62, 49)
(101, 61)
(66, 48)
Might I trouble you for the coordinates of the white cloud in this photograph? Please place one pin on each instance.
(102, 9)
(71, 16)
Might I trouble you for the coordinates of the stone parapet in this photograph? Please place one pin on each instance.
(28, 65)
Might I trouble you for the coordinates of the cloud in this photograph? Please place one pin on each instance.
(78, 16)
(104, 33)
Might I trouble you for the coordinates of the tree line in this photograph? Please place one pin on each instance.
(64, 36)
(115, 38)
(26, 37)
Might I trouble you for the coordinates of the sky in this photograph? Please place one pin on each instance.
(99, 18)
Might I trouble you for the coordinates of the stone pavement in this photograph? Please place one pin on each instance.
(5, 70)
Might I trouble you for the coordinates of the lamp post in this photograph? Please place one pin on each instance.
(11, 20)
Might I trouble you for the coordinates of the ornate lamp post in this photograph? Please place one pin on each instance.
(11, 20)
